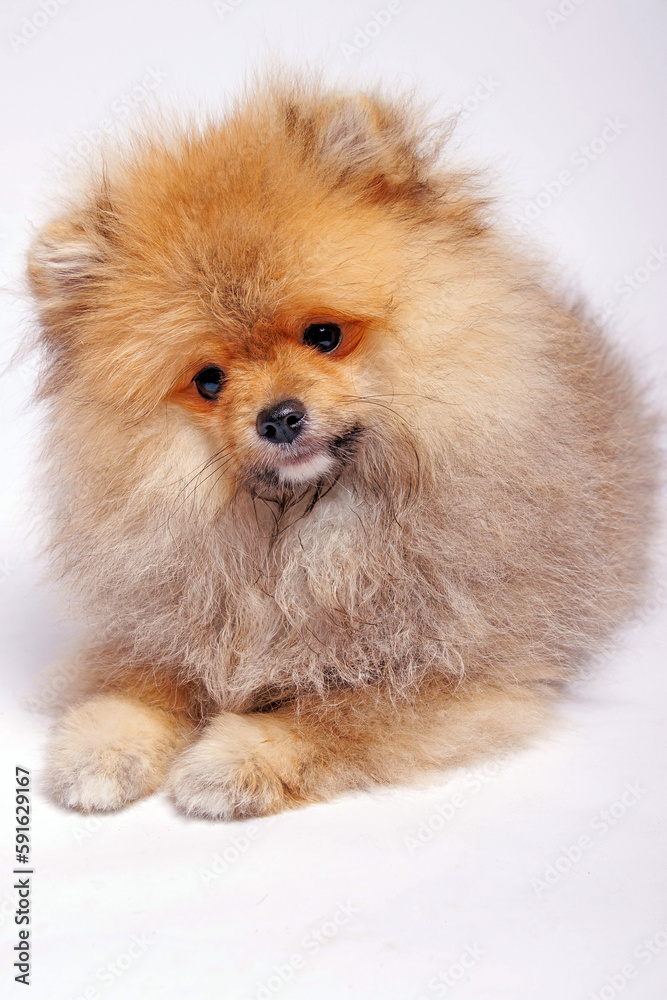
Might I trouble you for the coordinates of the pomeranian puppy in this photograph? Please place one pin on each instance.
(341, 487)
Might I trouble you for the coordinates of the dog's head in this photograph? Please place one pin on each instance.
(261, 290)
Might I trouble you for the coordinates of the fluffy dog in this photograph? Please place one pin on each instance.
(343, 490)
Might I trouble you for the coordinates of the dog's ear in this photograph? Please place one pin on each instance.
(62, 261)
(357, 139)
(351, 134)
(66, 261)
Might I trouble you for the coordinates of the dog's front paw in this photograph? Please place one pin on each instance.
(242, 765)
(109, 751)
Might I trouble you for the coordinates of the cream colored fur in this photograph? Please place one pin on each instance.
(111, 750)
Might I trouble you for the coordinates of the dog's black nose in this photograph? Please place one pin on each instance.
(281, 423)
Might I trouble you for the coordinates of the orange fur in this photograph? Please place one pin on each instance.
(463, 519)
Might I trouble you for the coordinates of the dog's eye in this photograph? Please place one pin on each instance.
(210, 381)
(323, 337)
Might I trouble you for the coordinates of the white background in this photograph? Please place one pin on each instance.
(398, 886)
